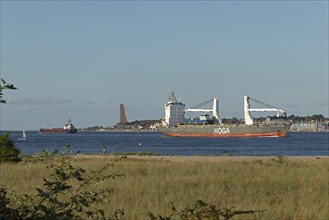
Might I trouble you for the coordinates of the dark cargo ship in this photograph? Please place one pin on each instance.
(67, 128)
(175, 124)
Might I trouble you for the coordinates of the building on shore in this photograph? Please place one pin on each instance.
(311, 126)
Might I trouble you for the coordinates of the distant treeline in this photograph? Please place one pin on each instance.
(298, 119)
(137, 124)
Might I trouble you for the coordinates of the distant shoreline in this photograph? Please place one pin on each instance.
(136, 131)
(81, 130)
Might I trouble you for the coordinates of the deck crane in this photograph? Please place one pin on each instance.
(214, 109)
(247, 109)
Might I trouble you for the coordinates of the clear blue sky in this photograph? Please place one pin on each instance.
(81, 59)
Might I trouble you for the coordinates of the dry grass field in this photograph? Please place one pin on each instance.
(286, 187)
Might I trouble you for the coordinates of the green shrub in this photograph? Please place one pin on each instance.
(147, 153)
(202, 210)
(5, 211)
(66, 194)
(8, 151)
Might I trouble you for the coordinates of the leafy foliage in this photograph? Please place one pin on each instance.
(4, 85)
(144, 124)
(8, 151)
(202, 210)
(298, 119)
(45, 156)
(5, 211)
(66, 193)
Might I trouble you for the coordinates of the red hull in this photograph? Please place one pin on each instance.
(52, 130)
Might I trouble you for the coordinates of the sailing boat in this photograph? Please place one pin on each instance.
(23, 138)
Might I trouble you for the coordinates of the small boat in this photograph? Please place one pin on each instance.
(23, 138)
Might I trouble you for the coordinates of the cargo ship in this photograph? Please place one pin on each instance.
(174, 122)
(67, 128)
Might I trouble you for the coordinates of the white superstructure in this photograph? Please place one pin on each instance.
(174, 111)
(69, 125)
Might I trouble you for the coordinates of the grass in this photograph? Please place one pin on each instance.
(286, 189)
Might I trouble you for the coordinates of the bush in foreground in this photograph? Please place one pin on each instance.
(8, 151)
(202, 210)
(5, 211)
(66, 194)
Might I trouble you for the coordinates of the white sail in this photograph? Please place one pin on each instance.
(24, 137)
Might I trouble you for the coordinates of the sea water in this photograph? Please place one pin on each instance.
(294, 144)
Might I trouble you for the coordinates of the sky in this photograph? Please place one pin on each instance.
(82, 59)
